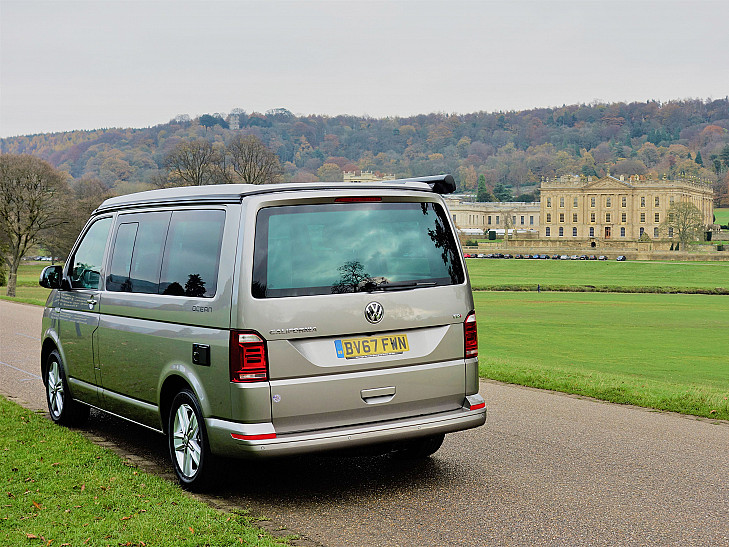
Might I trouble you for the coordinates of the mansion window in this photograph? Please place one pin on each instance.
(592, 202)
(574, 217)
(592, 217)
(607, 217)
(561, 217)
(655, 232)
(642, 230)
(513, 220)
(546, 231)
(608, 202)
(658, 201)
(489, 219)
(642, 201)
(624, 202)
(561, 202)
(522, 219)
(574, 232)
(561, 231)
(670, 217)
(549, 217)
(622, 231)
(531, 220)
(670, 232)
(592, 232)
(658, 217)
(549, 202)
(574, 202)
(624, 217)
(642, 217)
(497, 219)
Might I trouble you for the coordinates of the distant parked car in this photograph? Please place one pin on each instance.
(592, 257)
(583, 257)
(564, 257)
(602, 257)
(574, 257)
(544, 257)
(621, 258)
(508, 256)
(555, 257)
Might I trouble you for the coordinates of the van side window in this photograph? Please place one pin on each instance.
(137, 255)
(192, 254)
(85, 267)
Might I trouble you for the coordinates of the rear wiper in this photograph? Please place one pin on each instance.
(402, 286)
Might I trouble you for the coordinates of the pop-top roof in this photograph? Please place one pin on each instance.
(232, 193)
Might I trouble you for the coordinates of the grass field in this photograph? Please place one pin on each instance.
(664, 351)
(27, 289)
(617, 276)
(61, 489)
(722, 216)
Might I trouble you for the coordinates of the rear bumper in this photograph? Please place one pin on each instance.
(260, 440)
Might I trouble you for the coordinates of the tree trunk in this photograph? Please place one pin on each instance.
(12, 279)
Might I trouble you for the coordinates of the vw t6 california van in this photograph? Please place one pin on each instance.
(255, 321)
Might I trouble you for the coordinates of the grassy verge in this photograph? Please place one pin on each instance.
(659, 351)
(60, 489)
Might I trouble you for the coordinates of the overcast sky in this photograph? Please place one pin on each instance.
(68, 65)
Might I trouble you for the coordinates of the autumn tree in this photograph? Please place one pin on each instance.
(685, 222)
(249, 161)
(193, 163)
(329, 172)
(30, 202)
(84, 196)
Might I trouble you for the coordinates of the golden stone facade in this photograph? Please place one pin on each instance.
(614, 209)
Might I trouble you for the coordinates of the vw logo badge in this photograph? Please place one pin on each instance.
(374, 312)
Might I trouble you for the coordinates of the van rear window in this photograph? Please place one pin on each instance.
(353, 247)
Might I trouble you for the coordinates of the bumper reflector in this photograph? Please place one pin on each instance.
(262, 437)
(478, 406)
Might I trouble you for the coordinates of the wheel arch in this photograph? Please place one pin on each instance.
(49, 345)
(171, 386)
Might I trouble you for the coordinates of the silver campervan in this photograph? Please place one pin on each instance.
(254, 321)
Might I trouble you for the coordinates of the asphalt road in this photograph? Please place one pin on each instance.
(547, 469)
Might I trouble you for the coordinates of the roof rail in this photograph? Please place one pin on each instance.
(440, 184)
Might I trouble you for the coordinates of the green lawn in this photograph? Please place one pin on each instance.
(618, 276)
(722, 216)
(61, 489)
(27, 289)
(664, 351)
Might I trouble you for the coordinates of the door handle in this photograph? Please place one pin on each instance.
(378, 395)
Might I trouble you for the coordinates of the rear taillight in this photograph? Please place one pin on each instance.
(470, 336)
(248, 361)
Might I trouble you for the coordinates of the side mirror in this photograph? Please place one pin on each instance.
(50, 277)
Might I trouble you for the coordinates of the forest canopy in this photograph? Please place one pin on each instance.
(513, 151)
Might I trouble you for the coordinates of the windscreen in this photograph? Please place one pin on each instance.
(353, 247)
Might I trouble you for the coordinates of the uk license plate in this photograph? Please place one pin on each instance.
(352, 348)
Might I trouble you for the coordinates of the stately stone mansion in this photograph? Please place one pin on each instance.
(589, 210)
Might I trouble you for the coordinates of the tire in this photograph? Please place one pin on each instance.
(64, 410)
(188, 442)
(418, 449)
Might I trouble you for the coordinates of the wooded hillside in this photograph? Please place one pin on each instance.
(514, 149)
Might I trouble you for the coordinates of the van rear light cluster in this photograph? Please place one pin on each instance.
(470, 336)
(358, 199)
(248, 361)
